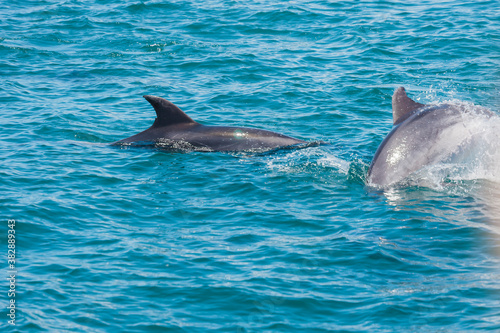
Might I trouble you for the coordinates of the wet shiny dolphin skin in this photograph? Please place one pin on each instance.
(422, 135)
(175, 129)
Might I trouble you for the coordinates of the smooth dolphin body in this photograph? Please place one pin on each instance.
(175, 129)
(424, 135)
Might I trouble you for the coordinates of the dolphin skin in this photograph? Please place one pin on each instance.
(424, 135)
(173, 129)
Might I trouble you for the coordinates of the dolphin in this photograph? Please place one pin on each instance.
(173, 129)
(424, 135)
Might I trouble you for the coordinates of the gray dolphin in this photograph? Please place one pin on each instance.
(176, 130)
(424, 135)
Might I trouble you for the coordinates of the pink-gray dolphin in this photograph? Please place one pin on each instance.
(425, 135)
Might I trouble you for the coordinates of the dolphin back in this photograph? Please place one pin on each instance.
(425, 135)
(174, 129)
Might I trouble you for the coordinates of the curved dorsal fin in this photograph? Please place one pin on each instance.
(402, 105)
(167, 113)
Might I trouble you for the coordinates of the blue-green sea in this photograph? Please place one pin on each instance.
(127, 239)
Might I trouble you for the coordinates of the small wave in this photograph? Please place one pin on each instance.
(316, 161)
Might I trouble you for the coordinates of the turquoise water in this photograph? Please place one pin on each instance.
(141, 240)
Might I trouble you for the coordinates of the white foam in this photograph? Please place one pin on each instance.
(310, 158)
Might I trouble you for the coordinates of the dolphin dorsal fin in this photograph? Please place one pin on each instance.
(402, 105)
(167, 113)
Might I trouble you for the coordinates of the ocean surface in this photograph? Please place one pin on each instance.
(124, 239)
